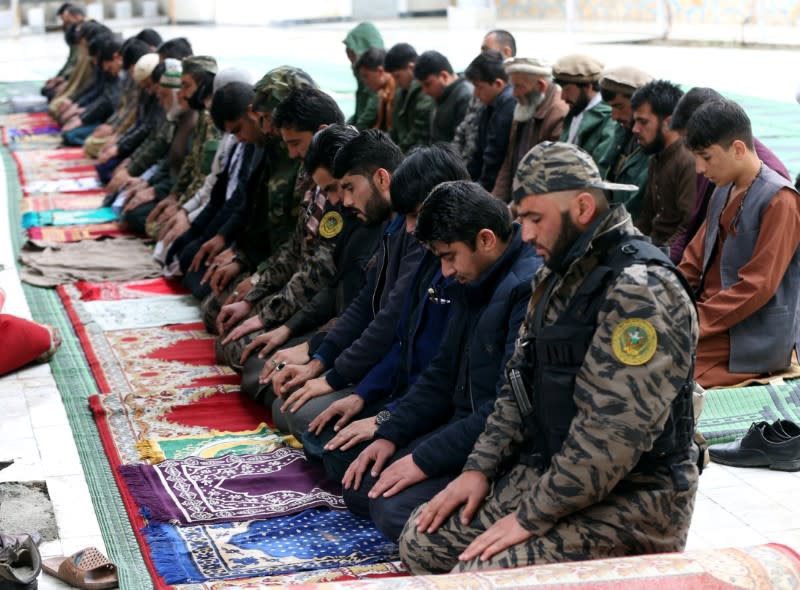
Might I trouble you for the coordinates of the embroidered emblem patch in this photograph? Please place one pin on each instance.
(331, 224)
(634, 341)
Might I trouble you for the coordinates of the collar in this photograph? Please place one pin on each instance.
(483, 287)
(610, 225)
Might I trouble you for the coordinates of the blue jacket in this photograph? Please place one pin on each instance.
(365, 331)
(422, 323)
(455, 394)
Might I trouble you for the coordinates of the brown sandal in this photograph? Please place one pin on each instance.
(87, 569)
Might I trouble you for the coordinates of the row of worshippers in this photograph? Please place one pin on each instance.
(303, 238)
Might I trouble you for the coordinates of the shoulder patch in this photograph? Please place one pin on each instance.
(331, 224)
(634, 341)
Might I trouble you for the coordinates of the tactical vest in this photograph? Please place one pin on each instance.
(555, 354)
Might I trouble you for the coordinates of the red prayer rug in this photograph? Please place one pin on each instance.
(115, 291)
(65, 201)
(76, 233)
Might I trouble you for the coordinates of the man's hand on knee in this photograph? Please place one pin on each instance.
(470, 488)
(503, 534)
(310, 389)
(376, 454)
(398, 476)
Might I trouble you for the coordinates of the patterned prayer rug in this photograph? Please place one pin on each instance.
(63, 185)
(763, 567)
(310, 540)
(64, 201)
(59, 217)
(114, 291)
(728, 413)
(216, 444)
(231, 488)
(78, 233)
(144, 312)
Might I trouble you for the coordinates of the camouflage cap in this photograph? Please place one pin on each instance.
(577, 68)
(196, 64)
(276, 85)
(552, 167)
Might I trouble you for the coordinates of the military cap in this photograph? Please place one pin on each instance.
(195, 64)
(527, 65)
(577, 68)
(552, 167)
(171, 78)
(144, 67)
(276, 85)
(624, 80)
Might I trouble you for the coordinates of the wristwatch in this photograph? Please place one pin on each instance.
(382, 417)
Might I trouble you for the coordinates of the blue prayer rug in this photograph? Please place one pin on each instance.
(59, 217)
(310, 540)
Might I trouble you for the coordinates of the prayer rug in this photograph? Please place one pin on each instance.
(26, 119)
(145, 312)
(64, 201)
(59, 217)
(310, 540)
(23, 141)
(115, 290)
(729, 412)
(78, 233)
(68, 185)
(247, 442)
(763, 567)
(231, 488)
(391, 569)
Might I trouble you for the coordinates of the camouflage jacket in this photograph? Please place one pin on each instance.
(153, 148)
(465, 140)
(272, 210)
(621, 408)
(191, 176)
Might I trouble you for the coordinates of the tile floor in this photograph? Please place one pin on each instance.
(735, 507)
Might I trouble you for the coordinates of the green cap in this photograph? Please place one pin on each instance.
(276, 85)
(196, 64)
(552, 167)
(171, 78)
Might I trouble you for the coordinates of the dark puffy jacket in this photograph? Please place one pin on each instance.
(365, 332)
(454, 395)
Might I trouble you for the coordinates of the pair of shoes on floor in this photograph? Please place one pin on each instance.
(775, 445)
(20, 562)
(88, 568)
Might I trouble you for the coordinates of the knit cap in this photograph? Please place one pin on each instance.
(172, 74)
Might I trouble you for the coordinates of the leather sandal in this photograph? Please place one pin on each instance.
(88, 568)
(20, 562)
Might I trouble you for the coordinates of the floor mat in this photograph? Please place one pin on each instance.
(728, 413)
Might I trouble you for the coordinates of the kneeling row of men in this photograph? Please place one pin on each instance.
(566, 409)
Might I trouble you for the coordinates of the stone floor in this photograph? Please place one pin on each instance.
(735, 507)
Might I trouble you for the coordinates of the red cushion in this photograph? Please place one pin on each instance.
(21, 341)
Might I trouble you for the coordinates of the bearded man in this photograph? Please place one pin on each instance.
(670, 192)
(538, 116)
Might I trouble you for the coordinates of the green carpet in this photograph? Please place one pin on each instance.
(75, 384)
(728, 413)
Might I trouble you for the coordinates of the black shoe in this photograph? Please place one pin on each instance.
(20, 562)
(764, 445)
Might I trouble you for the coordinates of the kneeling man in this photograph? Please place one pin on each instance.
(588, 452)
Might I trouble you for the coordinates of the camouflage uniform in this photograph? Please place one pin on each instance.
(153, 148)
(291, 277)
(595, 496)
(465, 140)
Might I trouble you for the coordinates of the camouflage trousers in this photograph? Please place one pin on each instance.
(641, 522)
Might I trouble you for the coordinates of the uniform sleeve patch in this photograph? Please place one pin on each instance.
(634, 341)
(331, 225)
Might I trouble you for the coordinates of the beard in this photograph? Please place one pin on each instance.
(580, 104)
(527, 105)
(175, 110)
(377, 209)
(657, 145)
(566, 238)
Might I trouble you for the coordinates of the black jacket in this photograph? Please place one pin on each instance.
(451, 399)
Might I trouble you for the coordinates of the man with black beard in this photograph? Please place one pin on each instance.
(589, 124)
(670, 191)
(538, 116)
